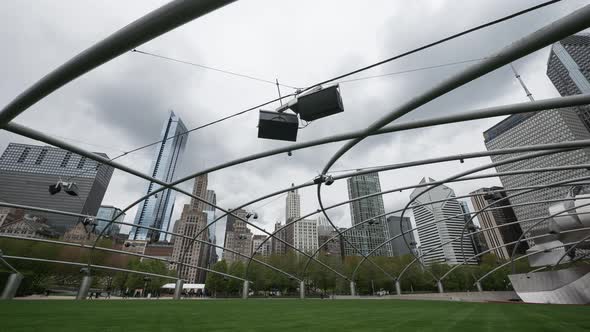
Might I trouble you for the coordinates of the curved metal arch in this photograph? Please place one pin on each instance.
(513, 242)
(411, 230)
(569, 250)
(473, 170)
(489, 207)
(128, 253)
(540, 219)
(98, 267)
(417, 258)
(519, 258)
(22, 130)
(154, 24)
(553, 32)
(144, 227)
(455, 157)
(530, 228)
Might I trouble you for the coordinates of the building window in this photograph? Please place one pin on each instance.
(23, 155)
(66, 159)
(81, 162)
(41, 156)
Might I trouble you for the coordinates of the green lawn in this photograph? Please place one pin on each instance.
(288, 315)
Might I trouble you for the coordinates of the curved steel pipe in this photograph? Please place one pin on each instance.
(128, 253)
(399, 210)
(473, 170)
(154, 24)
(99, 267)
(530, 228)
(553, 32)
(144, 227)
(509, 243)
(519, 258)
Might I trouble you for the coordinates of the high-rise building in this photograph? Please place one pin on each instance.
(438, 223)
(237, 237)
(501, 214)
(532, 129)
(211, 197)
(257, 240)
(398, 246)
(27, 171)
(109, 213)
(278, 247)
(293, 205)
(156, 211)
(370, 235)
(192, 220)
(303, 235)
(476, 238)
(568, 69)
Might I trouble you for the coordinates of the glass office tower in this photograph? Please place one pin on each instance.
(156, 211)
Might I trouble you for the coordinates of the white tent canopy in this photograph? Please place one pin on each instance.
(185, 286)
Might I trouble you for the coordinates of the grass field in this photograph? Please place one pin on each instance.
(288, 315)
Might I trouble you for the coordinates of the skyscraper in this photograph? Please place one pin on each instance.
(237, 237)
(500, 215)
(398, 246)
(545, 127)
(293, 205)
(27, 171)
(568, 69)
(109, 212)
(278, 247)
(303, 235)
(438, 223)
(192, 220)
(370, 235)
(257, 240)
(210, 211)
(156, 211)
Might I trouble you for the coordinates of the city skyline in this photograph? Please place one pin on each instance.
(117, 97)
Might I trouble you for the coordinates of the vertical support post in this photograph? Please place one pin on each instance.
(352, 288)
(246, 289)
(178, 289)
(398, 287)
(302, 289)
(84, 287)
(440, 286)
(11, 287)
(478, 285)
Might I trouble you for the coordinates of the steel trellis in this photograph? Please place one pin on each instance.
(477, 169)
(399, 210)
(145, 227)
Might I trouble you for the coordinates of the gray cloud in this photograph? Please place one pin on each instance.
(124, 103)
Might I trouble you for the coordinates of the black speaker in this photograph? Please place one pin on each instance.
(279, 126)
(319, 104)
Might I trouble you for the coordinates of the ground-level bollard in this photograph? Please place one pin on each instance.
(84, 288)
(478, 285)
(12, 285)
(245, 290)
(178, 289)
(398, 288)
(352, 288)
(440, 286)
(301, 289)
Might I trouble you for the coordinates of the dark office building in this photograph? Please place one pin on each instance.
(398, 246)
(492, 220)
(568, 69)
(27, 171)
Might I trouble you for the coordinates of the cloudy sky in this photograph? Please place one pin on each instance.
(123, 104)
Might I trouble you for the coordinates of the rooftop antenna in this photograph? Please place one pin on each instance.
(517, 75)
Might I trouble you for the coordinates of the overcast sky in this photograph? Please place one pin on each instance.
(123, 104)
